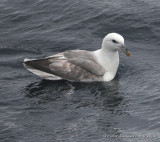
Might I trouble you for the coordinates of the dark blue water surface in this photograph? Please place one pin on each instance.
(125, 109)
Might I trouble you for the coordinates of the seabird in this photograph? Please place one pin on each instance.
(81, 65)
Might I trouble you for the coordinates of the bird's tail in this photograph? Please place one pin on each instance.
(27, 63)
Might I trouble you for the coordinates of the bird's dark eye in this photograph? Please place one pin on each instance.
(114, 41)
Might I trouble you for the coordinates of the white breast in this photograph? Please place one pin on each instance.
(109, 61)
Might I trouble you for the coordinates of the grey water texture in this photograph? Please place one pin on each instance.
(127, 109)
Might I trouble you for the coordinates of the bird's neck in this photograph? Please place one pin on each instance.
(108, 59)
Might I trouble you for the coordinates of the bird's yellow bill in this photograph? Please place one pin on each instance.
(128, 53)
(125, 50)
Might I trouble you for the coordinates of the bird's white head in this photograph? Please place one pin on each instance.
(114, 42)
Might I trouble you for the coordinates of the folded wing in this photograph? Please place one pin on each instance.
(73, 65)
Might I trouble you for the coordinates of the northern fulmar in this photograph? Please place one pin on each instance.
(81, 65)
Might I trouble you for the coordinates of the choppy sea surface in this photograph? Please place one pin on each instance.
(35, 110)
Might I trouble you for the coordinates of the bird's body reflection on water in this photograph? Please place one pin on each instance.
(80, 103)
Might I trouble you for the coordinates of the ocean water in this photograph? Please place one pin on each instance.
(35, 110)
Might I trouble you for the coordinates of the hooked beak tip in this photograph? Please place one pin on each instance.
(125, 50)
(128, 54)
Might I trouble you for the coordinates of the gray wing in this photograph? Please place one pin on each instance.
(74, 65)
(85, 60)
